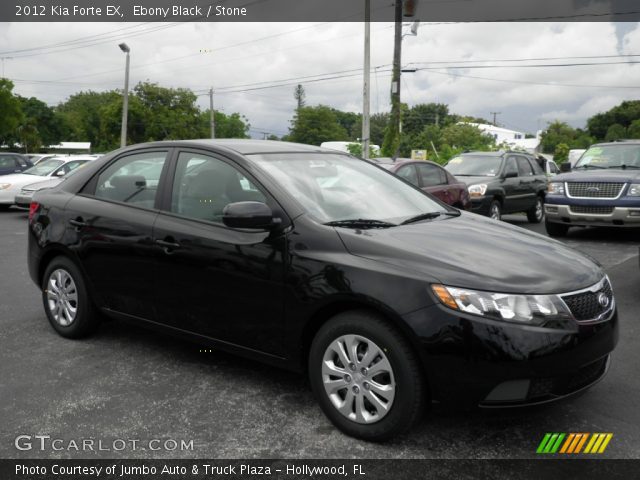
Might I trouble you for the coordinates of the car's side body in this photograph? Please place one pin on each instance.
(433, 179)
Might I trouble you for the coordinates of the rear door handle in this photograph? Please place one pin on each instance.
(78, 223)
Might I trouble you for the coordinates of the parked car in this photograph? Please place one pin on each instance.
(24, 197)
(10, 185)
(502, 182)
(547, 165)
(431, 178)
(38, 157)
(316, 261)
(575, 154)
(603, 189)
(13, 163)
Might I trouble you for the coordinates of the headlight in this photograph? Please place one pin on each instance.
(4, 186)
(524, 309)
(634, 190)
(556, 188)
(477, 190)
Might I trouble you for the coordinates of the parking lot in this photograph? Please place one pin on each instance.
(129, 383)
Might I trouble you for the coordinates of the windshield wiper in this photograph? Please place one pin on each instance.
(429, 216)
(624, 167)
(360, 223)
(589, 166)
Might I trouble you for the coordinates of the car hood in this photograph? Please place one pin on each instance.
(597, 175)
(473, 180)
(43, 184)
(18, 180)
(476, 252)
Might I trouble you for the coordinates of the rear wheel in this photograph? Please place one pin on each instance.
(66, 300)
(536, 213)
(556, 229)
(366, 377)
(495, 210)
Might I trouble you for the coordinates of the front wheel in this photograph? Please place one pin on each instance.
(495, 210)
(66, 300)
(366, 377)
(556, 229)
(536, 213)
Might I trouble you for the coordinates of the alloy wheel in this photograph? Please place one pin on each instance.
(358, 379)
(495, 211)
(62, 297)
(539, 209)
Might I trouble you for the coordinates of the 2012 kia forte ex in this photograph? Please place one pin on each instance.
(314, 260)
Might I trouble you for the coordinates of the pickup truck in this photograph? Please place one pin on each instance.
(602, 189)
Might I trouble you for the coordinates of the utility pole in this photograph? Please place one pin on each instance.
(366, 76)
(392, 136)
(125, 98)
(494, 117)
(212, 120)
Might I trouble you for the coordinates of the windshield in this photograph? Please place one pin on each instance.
(610, 156)
(44, 168)
(338, 187)
(474, 165)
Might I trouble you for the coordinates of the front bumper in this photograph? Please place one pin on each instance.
(472, 361)
(7, 196)
(579, 215)
(481, 205)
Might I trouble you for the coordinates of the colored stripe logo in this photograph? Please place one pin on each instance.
(573, 443)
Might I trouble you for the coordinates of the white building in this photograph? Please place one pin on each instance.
(512, 138)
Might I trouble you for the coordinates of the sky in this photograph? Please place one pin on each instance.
(491, 67)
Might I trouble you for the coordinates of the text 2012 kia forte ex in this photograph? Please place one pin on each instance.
(314, 260)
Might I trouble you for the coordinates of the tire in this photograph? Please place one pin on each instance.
(398, 378)
(556, 229)
(4, 207)
(63, 284)
(495, 210)
(536, 213)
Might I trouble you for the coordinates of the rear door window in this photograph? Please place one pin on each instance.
(132, 179)
(430, 175)
(408, 172)
(524, 167)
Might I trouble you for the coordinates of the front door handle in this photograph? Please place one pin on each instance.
(168, 245)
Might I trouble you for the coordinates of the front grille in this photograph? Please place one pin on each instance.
(594, 189)
(585, 306)
(592, 210)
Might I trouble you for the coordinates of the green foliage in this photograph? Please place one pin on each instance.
(356, 150)
(417, 117)
(561, 153)
(615, 132)
(314, 125)
(351, 122)
(560, 132)
(10, 112)
(299, 94)
(634, 129)
(624, 114)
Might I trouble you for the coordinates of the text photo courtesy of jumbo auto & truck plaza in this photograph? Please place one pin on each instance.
(297, 239)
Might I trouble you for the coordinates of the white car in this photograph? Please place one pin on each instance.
(10, 185)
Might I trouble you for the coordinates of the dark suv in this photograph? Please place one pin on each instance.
(320, 262)
(603, 189)
(502, 182)
(13, 163)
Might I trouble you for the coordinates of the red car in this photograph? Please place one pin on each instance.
(431, 178)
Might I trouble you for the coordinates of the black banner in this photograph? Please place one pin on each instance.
(315, 10)
(583, 469)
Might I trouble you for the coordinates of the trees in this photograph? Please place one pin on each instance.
(615, 132)
(314, 125)
(10, 112)
(561, 153)
(624, 114)
(299, 94)
(560, 132)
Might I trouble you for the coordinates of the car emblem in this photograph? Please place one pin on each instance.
(603, 300)
(593, 189)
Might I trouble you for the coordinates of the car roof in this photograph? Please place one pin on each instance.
(244, 146)
(619, 142)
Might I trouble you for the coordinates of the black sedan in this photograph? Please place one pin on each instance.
(316, 261)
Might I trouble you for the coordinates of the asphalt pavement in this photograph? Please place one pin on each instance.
(129, 383)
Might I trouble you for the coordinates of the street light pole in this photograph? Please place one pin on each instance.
(125, 99)
(367, 74)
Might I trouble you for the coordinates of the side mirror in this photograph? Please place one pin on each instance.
(565, 167)
(510, 174)
(60, 173)
(248, 215)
